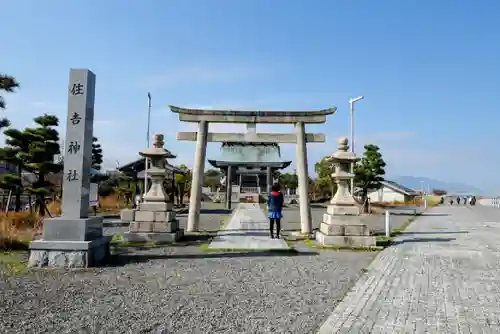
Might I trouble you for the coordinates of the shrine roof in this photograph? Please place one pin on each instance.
(249, 154)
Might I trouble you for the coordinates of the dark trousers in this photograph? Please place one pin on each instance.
(278, 225)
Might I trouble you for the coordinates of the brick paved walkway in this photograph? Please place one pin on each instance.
(443, 276)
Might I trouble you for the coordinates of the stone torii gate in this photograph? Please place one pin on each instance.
(203, 117)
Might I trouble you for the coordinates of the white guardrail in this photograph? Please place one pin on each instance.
(493, 202)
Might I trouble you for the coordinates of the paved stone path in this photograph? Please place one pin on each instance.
(443, 276)
(248, 228)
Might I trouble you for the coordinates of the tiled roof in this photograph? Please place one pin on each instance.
(245, 153)
(399, 188)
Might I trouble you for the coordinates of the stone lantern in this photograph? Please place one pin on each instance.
(343, 201)
(342, 225)
(154, 221)
(157, 172)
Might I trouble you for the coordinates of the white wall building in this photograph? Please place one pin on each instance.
(392, 192)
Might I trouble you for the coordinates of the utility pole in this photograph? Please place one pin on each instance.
(146, 160)
(351, 118)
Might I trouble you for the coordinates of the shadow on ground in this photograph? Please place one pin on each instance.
(215, 211)
(422, 240)
(122, 257)
(249, 233)
(186, 240)
(434, 214)
(435, 232)
(317, 205)
(115, 224)
(194, 239)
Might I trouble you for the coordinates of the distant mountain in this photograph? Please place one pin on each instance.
(415, 183)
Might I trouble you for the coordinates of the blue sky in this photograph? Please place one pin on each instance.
(429, 71)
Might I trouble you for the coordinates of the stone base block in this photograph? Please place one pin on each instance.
(298, 235)
(140, 227)
(350, 241)
(344, 229)
(154, 216)
(68, 254)
(145, 216)
(161, 206)
(127, 215)
(153, 237)
(71, 229)
(342, 220)
(144, 227)
(164, 216)
(166, 227)
(342, 210)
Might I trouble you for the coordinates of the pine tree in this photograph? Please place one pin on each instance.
(96, 162)
(183, 183)
(39, 158)
(289, 180)
(7, 84)
(96, 154)
(325, 168)
(370, 171)
(11, 181)
(16, 143)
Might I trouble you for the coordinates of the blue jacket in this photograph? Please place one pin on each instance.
(275, 201)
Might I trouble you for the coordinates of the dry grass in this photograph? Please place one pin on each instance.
(54, 208)
(379, 208)
(431, 201)
(17, 229)
(107, 205)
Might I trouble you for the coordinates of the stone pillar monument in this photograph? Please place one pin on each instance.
(154, 221)
(74, 239)
(342, 223)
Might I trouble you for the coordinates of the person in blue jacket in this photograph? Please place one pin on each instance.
(275, 207)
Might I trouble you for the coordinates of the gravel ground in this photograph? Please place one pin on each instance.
(183, 290)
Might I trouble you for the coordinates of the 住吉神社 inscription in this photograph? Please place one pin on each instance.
(74, 147)
(72, 175)
(77, 89)
(75, 119)
(78, 153)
